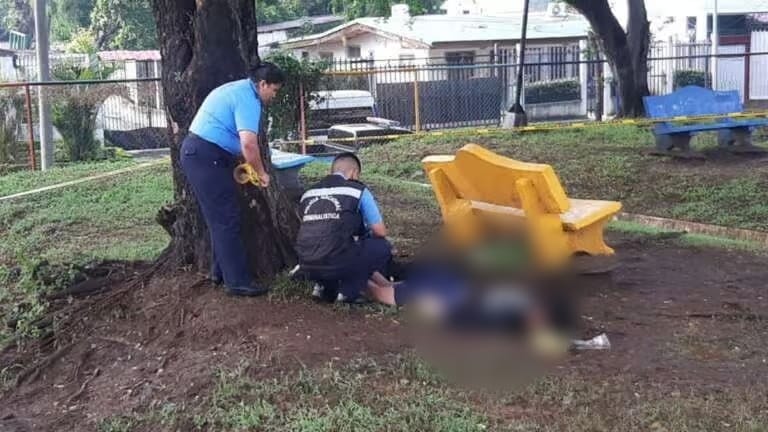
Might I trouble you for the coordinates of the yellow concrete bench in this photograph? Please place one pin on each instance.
(479, 191)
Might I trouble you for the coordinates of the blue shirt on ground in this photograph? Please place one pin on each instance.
(228, 109)
(368, 208)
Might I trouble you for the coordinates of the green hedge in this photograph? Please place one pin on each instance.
(553, 91)
(684, 78)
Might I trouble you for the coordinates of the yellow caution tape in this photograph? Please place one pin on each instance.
(244, 173)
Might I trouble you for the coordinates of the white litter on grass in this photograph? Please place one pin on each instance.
(599, 342)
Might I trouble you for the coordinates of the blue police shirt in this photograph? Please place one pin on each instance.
(228, 109)
(368, 208)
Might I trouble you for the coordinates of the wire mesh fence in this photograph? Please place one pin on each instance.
(416, 94)
(87, 118)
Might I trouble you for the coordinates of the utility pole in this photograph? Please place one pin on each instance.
(43, 74)
(715, 46)
(516, 116)
(519, 117)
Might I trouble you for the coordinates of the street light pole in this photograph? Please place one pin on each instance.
(43, 74)
(715, 46)
(519, 117)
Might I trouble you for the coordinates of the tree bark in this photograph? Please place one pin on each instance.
(205, 43)
(627, 52)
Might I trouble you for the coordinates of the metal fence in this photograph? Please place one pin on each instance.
(86, 116)
(420, 94)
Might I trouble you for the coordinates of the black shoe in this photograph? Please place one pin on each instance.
(216, 280)
(247, 291)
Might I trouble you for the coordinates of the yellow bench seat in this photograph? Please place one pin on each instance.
(478, 189)
(582, 213)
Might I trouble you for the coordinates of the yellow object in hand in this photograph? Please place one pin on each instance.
(244, 173)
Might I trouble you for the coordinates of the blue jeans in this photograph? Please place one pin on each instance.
(209, 169)
(349, 273)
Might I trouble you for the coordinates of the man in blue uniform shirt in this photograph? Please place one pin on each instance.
(342, 238)
(229, 125)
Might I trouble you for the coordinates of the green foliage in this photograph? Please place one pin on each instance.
(381, 8)
(553, 91)
(123, 24)
(68, 16)
(17, 15)
(300, 74)
(82, 42)
(74, 114)
(684, 78)
(272, 11)
(11, 116)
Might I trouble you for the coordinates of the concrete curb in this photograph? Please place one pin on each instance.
(758, 237)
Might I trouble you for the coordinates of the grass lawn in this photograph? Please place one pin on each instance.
(110, 218)
(22, 181)
(409, 396)
(610, 163)
(114, 219)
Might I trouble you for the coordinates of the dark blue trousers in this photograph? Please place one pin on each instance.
(349, 273)
(209, 169)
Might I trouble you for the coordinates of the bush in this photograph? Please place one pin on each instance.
(553, 91)
(74, 113)
(684, 78)
(285, 111)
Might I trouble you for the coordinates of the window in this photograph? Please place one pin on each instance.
(406, 60)
(304, 55)
(465, 12)
(460, 58)
(353, 52)
(324, 55)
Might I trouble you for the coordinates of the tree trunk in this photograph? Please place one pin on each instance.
(626, 52)
(203, 45)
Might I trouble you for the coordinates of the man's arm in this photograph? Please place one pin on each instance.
(248, 122)
(371, 215)
(249, 144)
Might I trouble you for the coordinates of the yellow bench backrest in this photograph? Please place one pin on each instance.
(478, 174)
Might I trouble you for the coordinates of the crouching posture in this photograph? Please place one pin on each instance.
(342, 238)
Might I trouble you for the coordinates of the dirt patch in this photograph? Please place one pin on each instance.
(676, 317)
(164, 341)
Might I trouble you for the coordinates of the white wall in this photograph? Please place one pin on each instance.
(7, 71)
(272, 37)
(371, 46)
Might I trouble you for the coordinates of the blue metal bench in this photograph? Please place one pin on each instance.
(734, 134)
(287, 166)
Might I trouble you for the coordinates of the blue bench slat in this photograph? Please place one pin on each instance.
(284, 160)
(670, 128)
(693, 101)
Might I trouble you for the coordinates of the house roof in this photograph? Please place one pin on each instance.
(298, 23)
(428, 30)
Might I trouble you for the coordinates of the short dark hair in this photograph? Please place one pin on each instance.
(349, 155)
(268, 72)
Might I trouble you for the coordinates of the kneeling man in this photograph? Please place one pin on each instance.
(342, 238)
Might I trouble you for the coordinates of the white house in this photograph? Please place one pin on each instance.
(454, 39)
